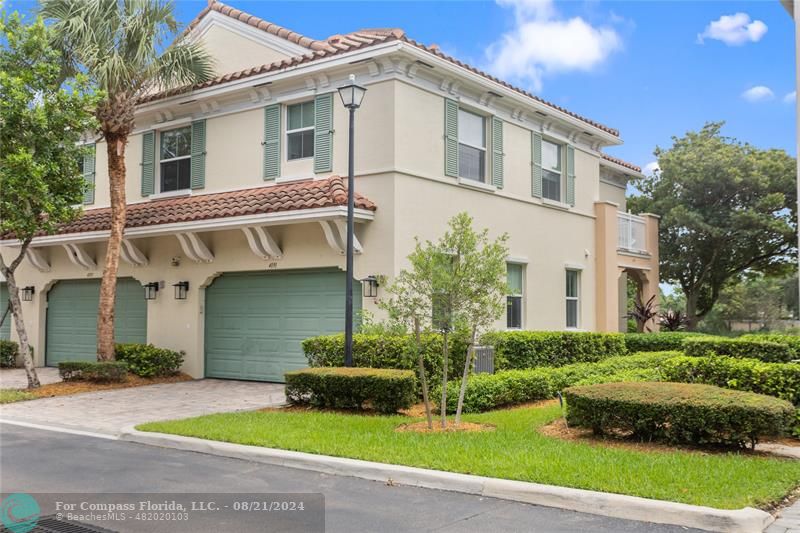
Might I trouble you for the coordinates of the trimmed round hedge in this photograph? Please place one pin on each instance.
(678, 413)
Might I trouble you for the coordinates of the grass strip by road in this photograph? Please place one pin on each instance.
(515, 450)
(14, 395)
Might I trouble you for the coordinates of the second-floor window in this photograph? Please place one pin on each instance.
(176, 159)
(300, 130)
(551, 170)
(471, 146)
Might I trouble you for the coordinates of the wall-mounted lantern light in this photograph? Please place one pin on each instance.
(27, 294)
(181, 290)
(370, 286)
(151, 290)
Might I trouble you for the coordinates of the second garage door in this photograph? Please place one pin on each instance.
(72, 318)
(255, 321)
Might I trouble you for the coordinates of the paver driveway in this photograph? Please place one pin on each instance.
(110, 411)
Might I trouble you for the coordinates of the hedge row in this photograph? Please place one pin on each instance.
(385, 390)
(530, 349)
(109, 371)
(678, 413)
(509, 387)
(769, 351)
(792, 341)
(658, 341)
(9, 350)
(147, 361)
(781, 380)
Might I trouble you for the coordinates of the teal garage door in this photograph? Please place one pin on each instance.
(72, 318)
(255, 321)
(5, 329)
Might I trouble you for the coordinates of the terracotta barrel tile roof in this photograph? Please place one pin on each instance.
(329, 192)
(622, 163)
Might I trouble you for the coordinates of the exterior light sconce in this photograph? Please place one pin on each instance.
(151, 290)
(181, 290)
(370, 286)
(27, 294)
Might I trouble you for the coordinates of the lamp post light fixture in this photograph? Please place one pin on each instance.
(351, 95)
(151, 290)
(27, 293)
(370, 286)
(181, 289)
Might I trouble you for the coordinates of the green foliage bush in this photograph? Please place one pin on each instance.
(147, 361)
(387, 390)
(389, 351)
(9, 350)
(704, 346)
(781, 380)
(531, 349)
(792, 341)
(111, 371)
(509, 387)
(657, 341)
(678, 413)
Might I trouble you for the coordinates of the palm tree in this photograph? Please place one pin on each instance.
(123, 45)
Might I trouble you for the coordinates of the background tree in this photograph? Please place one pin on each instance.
(725, 208)
(759, 300)
(123, 46)
(41, 123)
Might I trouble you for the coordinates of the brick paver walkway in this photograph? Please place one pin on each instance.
(110, 411)
(15, 378)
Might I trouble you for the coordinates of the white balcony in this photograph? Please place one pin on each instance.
(632, 233)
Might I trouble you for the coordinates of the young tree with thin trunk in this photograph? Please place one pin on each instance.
(42, 120)
(123, 47)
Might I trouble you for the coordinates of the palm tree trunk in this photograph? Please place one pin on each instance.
(115, 147)
(16, 311)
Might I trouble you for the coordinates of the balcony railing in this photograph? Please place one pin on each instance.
(632, 233)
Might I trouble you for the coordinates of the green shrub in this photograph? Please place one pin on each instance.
(678, 413)
(9, 350)
(703, 346)
(781, 380)
(147, 361)
(656, 342)
(389, 351)
(509, 387)
(110, 371)
(387, 390)
(531, 349)
(793, 342)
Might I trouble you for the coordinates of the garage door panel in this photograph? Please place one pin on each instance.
(256, 322)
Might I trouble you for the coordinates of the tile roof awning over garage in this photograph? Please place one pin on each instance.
(296, 201)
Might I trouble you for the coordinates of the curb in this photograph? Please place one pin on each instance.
(747, 520)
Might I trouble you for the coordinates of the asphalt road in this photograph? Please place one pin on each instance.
(36, 461)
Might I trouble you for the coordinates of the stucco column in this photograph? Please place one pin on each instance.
(651, 277)
(607, 281)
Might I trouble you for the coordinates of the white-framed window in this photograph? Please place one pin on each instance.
(516, 278)
(471, 146)
(175, 159)
(551, 170)
(573, 290)
(300, 130)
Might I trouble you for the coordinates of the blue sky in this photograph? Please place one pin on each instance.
(638, 66)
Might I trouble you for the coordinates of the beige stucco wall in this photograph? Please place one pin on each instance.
(234, 52)
(612, 193)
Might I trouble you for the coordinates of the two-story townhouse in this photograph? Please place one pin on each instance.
(234, 243)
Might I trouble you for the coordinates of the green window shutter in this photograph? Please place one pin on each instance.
(272, 142)
(88, 173)
(497, 152)
(323, 133)
(536, 164)
(198, 166)
(450, 138)
(570, 175)
(148, 162)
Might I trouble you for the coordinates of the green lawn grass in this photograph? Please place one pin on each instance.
(515, 450)
(14, 395)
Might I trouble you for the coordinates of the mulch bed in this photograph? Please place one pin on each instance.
(64, 388)
(463, 427)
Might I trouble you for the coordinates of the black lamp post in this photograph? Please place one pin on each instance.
(351, 95)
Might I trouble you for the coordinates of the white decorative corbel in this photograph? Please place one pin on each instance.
(374, 69)
(131, 254)
(261, 243)
(205, 108)
(194, 248)
(454, 88)
(388, 65)
(214, 105)
(79, 257)
(445, 85)
(341, 225)
(253, 95)
(332, 236)
(167, 114)
(264, 93)
(323, 80)
(311, 84)
(412, 70)
(37, 260)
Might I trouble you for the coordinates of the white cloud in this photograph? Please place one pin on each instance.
(734, 30)
(543, 43)
(651, 168)
(791, 97)
(759, 93)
